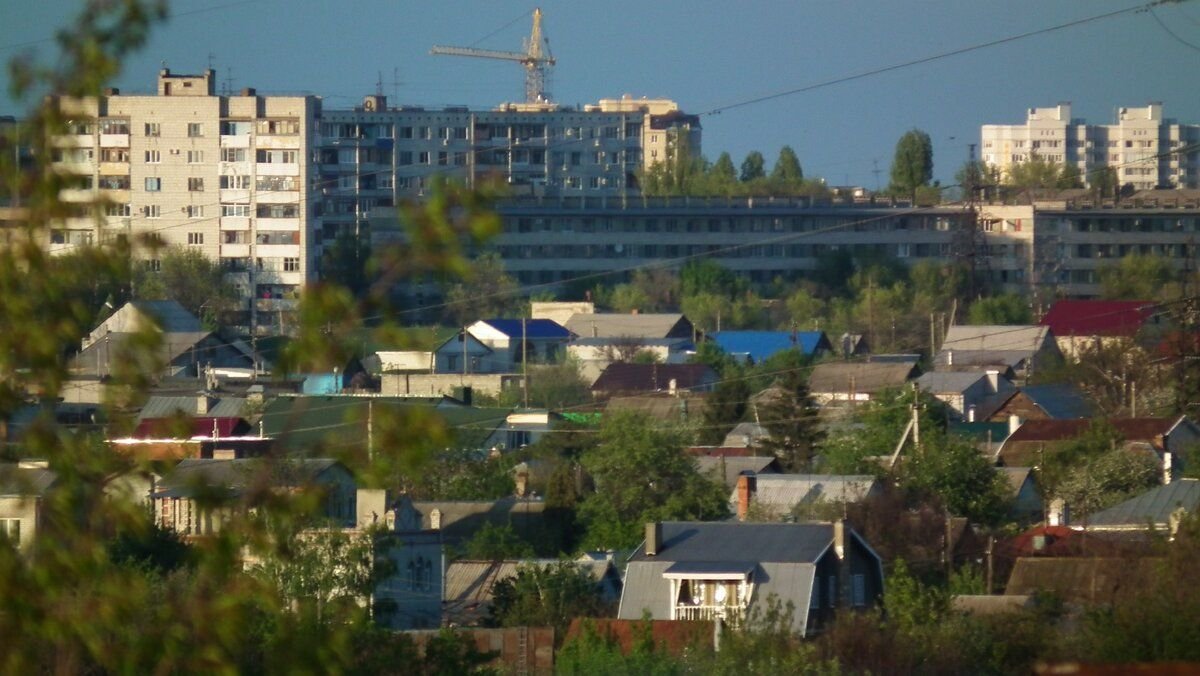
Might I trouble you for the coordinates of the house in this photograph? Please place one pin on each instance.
(835, 382)
(468, 591)
(727, 469)
(1166, 438)
(1035, 402)
(1159, 508)
(1079, 325)
(623, 378)
(728, 570)
(409, 596)
(746, 435)
(1086, 580)
(757, 346)
(1023, 348)
(24, 488)
(464, 353)
(186, 347)
(398, 361)
(458, 520)
(205, 404)
(963, 391)
(779, 496)
(595, 354)
(662, 406)
(1023, 492)
(183, 500)
(634, 325)
(213, 427)
(514, 341)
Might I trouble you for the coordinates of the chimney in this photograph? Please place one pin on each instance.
(634, 311)
(371, 505)
(993, 377)
(672, 386)
(1168, 460)
(1059, 514)
(949, 357)
(435, 519)
(203, 404)
(839, 539)
(747, 486)
(112, 91)
(653, 538)
(224, 454)
(1014, 422)
(971, 413)
(249, 91)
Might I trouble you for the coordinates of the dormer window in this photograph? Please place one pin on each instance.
(708, 591)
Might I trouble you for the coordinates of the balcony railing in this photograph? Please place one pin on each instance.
(730, 614)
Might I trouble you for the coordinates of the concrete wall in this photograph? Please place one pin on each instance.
(425, 384)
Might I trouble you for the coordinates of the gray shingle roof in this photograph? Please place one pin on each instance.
(23, 481)
(941, 382)
(784, 491)
(624, 325)
(868, 377)
(732, 466)
(729, 541)
(1026, 338)
(235, 475)
(1059, 401)
(1152, 507)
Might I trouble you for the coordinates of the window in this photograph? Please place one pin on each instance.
(276, 156)
(277, 211)
(235, 182)
(277, 183)
(195, 156)
(195, 130)
(234, 127)
(153, 184)
(152, 129)
(288, 127)
(153, 157)
(291, 265)
(195, 238)
(404, 157)
(233, 154)
(154, 265)
(194, 211)
(10, 529)
(235, 237)
(236, 210)
(152, 211)
(114, 155)
(423, 157)
(196, 184)
(117, 210)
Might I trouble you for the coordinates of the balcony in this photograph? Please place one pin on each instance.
(733, 615)
(235, 141)
(114, 140)
(280, 169)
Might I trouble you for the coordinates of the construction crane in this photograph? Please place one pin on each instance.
(535, 58)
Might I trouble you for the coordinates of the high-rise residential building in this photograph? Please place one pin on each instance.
(375, 155)
(1146, 150)
(228, 176)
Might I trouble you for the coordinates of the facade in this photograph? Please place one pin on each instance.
(227, 176)
(1138, 145)
(24, 488)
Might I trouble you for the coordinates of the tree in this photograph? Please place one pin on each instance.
(724, 408)
(704, 275)
(972, 180)
(192, 279)
(753, 167)
(345, 262)
(488, 291)
(912, 166)
(952, 471)
(787, 169)
(1008, 308)
(641, 475)
(545, 596)
(496, 543)
(723, 176)
(788, 413)
(1138, 277)
(1105, 183)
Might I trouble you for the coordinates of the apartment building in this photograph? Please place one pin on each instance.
(1147, 150)
(227, 176)
(374, 155)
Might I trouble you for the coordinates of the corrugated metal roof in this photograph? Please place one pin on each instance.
(533, 328)
(1002, 359)
(1027, 338)
(761, 345)
(625, 377)
(732, 541)
(1097, 317)
(726, 469)
(1130, 429)
(1060, 401)
(234, 475)
(162, 406)
(645, 591)
(943, 382)
(1152, 507)
(746, 434)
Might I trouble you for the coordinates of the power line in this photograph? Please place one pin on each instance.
(936, 57)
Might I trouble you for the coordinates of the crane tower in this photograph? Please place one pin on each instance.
(536, 59)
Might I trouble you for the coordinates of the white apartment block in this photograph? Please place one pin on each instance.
(1146, 150)
(228, 176)
(374, 155)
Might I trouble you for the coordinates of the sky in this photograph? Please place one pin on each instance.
(704, 54)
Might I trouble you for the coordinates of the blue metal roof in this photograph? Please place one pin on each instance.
(760, 345)
(534, 328)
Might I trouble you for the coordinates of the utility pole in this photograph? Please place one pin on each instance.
(524, 363)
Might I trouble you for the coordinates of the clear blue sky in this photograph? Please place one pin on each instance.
(702, 53)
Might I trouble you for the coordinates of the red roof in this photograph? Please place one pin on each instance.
(1130, 429)
(1097, 317)
(153, 428)
(625, 377)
